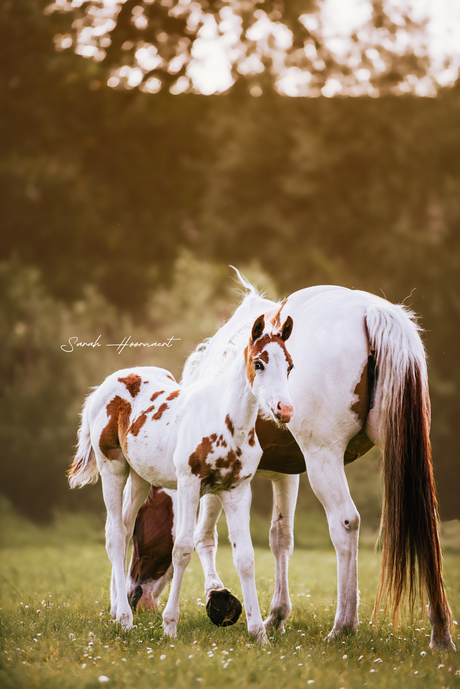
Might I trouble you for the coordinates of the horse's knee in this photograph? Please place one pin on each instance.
(344, 528)
(245, 566)
(182, 552)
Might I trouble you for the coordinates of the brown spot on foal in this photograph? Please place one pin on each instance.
(133, 383)
(114, 434)
(139, 422)
(229, 424)
(160, 412)
(211, 475)
(155, 395)
(173, 395)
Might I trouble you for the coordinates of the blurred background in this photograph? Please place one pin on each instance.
(146, 145)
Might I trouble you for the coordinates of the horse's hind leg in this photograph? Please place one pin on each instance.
(327, 478)
(285, 489)
(113, 477)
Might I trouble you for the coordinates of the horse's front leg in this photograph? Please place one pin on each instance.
(206, 541)
(237, 504)
(328, 480)
(285, 490)
(222, 608)
(188, 497)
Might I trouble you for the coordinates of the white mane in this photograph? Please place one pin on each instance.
(210, 355)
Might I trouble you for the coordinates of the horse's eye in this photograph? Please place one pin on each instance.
(258, 365)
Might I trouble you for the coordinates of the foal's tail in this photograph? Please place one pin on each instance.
(409, 530)
(84, 467)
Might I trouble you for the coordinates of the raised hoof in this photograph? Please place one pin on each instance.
(222, 608)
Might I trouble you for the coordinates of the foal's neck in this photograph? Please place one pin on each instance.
(238, 399)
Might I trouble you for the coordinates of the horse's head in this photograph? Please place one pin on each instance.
(268, 364)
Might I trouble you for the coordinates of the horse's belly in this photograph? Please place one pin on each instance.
(153, 461)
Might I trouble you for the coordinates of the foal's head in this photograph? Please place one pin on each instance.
(268, 364)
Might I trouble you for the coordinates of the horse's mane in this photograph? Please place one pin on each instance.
(211, 354)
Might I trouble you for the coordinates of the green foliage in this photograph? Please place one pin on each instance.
(57, 632)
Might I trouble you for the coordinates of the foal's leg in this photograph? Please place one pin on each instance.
(285, 489)
(237, 504)
(206, 541)
(113, 478)
(188, 497)
(134, 496)
(328, 480)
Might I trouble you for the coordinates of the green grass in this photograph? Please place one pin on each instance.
(56, 630)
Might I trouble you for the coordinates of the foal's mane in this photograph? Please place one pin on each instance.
(212, 354)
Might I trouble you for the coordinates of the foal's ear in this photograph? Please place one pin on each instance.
(286, 330)
(258, 328)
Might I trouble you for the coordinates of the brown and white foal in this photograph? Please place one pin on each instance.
(200, 438)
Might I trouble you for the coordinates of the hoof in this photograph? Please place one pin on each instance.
(170, 629)
(222, 608)
(274, 623)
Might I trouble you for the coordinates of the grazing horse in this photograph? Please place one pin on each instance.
(199, 439)
(360, 380)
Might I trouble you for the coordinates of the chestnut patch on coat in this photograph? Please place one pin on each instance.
(152, 537)
(133, 383)
(211, 475)
(139, 422)
(155, 395)
(114, 434)
(357, 447)
(160, 412)
(281, 452)
(361, 406)
(252, 437)
(229, 424)
(173, 395)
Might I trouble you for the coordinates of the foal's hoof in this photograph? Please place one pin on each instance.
(222, 608)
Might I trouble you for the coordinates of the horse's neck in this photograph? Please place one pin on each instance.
(238, 400)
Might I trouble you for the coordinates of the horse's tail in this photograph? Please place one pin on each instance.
(84, 467)
(409, 530)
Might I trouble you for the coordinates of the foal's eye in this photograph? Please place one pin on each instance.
(258, 365)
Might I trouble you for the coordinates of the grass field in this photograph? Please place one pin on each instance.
(56, 630)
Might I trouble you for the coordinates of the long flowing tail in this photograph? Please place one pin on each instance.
(409, 531)
(84, 467)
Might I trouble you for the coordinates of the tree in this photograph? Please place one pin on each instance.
(281, 44)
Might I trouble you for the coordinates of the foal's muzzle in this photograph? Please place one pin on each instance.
(284, 412)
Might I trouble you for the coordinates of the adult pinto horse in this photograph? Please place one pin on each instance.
(360, 380)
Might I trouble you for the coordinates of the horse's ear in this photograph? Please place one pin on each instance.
(286, 330)
(258, 328)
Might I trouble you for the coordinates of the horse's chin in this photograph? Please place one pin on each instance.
(269, 415)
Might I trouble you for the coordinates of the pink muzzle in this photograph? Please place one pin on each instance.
(284, 412)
